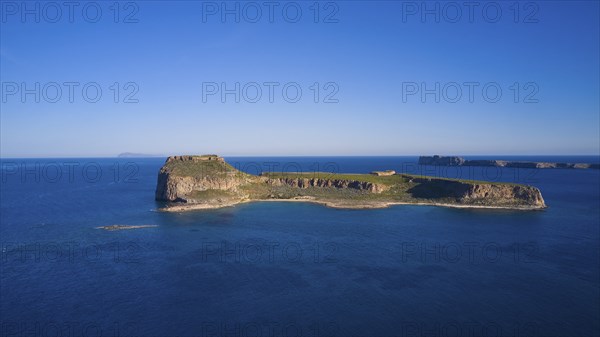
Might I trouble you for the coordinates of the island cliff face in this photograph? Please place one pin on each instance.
(200, 182)
(182, 175)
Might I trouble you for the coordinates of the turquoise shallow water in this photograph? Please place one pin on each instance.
(292, 269)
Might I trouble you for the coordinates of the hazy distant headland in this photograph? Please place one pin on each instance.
(137, 155)
(459, 161)
(207, 181)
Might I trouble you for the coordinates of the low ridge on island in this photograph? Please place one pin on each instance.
(207, 181)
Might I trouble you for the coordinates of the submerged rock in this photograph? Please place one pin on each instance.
(122, 227)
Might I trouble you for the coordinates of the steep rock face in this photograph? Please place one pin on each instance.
(504, 194)
(172, 188)
(479, 193)
(182, 175)
(336, 183)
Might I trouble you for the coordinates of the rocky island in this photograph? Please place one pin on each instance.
(459, 161)
(207, 181)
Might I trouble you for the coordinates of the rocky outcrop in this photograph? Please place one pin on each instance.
(492, 194)
(459, 161)
(181, 175)
(503, 194)
(335, 183)
(386, 173)
(174, 188)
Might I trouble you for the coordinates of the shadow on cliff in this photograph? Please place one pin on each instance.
(434, 189)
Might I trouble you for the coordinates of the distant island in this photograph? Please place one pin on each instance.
(459, 161)
(136, 155)
(207, 181)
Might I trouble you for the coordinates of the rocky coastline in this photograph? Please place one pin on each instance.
(208, 182)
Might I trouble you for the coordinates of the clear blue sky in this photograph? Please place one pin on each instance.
(369, 53)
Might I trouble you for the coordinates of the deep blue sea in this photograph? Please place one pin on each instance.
(292, 269)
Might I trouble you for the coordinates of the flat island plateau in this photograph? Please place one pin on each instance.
(207, 182)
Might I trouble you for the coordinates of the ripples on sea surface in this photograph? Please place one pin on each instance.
(288, 269)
